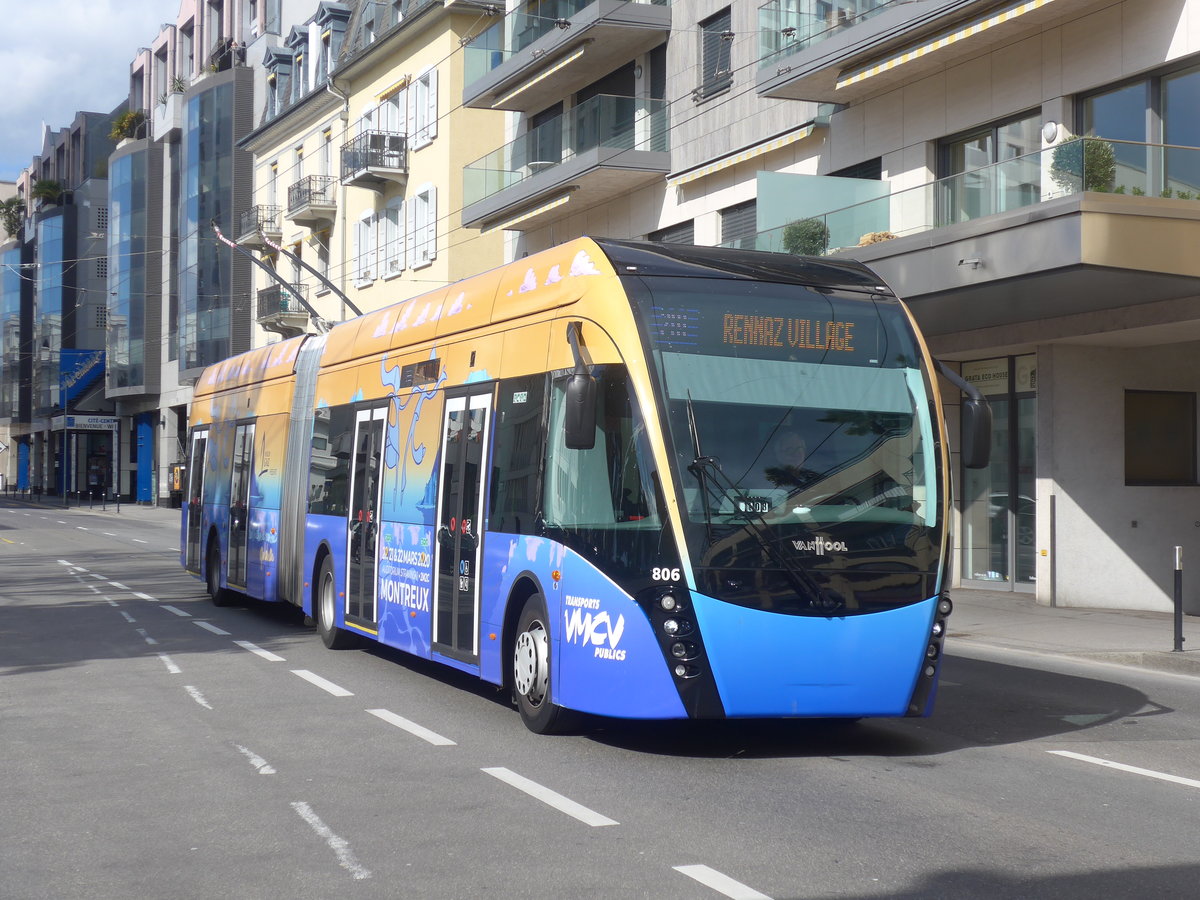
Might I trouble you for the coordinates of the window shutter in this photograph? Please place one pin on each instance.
(370, 255)
(410, 231)
(431, 106)
(355, 251)
(410, 113)
(739, 225)
(431, 220)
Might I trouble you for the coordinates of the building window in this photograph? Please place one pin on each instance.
(393, 238)
(991, 169)
(716, 44)
(739, 226)
(364, 250)
(424, 107)
(1160, 437)
(421, 226)
(683, 233)
(1159, 110)
(868, 170)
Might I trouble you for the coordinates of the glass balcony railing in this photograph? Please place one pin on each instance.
(518, 30)
(616, 123)
(789, 26)
(274, 300)
(1072, 167)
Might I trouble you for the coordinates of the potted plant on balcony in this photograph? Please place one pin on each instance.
(12, 211)
(807, 237)
(47, 191)
(126, 125)
(1088, 164)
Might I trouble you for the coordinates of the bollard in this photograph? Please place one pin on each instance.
(1178, 600)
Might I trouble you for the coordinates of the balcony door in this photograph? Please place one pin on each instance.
(990, 170)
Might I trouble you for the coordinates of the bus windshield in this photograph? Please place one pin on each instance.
(803, 434)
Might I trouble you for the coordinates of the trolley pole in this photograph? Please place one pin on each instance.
(1178, 600)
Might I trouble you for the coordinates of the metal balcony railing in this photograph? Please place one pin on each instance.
(259, 218)
(274, 300)
(313, 190)
(375, 150)
(1071, 167)
(604, 121)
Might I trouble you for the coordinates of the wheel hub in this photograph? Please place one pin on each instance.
(531, 663)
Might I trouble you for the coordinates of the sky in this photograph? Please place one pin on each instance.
(59, 57)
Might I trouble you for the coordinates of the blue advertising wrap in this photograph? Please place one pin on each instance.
(766, 664)
(406, 586)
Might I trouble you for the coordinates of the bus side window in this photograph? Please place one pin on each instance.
(333, 430)
(519, 446)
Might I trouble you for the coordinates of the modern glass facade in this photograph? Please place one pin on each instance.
(127, 234)
(49, 307)
(205, 266)
(10, 331)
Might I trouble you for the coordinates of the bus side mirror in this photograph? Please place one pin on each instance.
(976, 433)
(580, 418)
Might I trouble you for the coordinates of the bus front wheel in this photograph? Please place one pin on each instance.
(326, 610)
(531, 670)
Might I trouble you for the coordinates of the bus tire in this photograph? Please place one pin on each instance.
(212, 577)
(531, 670)
(325, 609)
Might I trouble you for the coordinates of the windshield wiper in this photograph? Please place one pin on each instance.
(757, 526)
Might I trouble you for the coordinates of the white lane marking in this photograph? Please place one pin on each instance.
(81, 528)
(63, 562)
(259, 651)
(264, 767)
(108, 534)
(412, 728)
(197, 696)
(60, 521)
(128, 617)
(339, 846)
(321, 682)
(171, 667)
(1109, 764)
(210, 627)
(173, 549)
(177, 611)
(142, 596)
(139, 541)
(111, 601)
(94, 575)
(720, 883)
(118, 586)
(550, 798)
(92, 588)
(149, 640)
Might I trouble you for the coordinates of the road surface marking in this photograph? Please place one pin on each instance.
(1109, 764)
(550, 798)
(81, 528)
(210, 627)
(171, 667)
(264, 767)
(128, 618)
(63, 562)
(259, 651)
(142, 596)
(197, 696)
(108, 534)
(118, 586)
(321, 682)
(139, 541)
(722, 884)
(412, 728)
(149, 640)
(338, 845)
(177, 611)
(110, 601)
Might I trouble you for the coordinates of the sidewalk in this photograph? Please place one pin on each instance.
(1016, 621)
(134, 511)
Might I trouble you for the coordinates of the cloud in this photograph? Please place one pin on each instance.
(68, 56)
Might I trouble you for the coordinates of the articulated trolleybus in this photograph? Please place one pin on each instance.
(628, 479)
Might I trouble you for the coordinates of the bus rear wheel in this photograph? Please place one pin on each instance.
(212, 577)
(325, 610)
(531, 670)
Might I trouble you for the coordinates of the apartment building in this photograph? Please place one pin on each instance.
(357, 162)
(53, 316)
(1024, 173)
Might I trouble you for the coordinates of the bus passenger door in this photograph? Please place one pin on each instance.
(460, 525)
(239, 503)
(195, 499)
(362, 533)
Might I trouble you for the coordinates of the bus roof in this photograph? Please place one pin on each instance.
(688, 261)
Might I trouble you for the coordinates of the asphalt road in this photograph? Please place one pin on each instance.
(155, 746)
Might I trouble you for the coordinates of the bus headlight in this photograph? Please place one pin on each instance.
(671, 626)
(668, 602)
(679, 650)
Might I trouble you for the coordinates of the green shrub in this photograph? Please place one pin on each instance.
(807, 237)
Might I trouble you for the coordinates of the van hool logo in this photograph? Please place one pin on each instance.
(820, 546)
